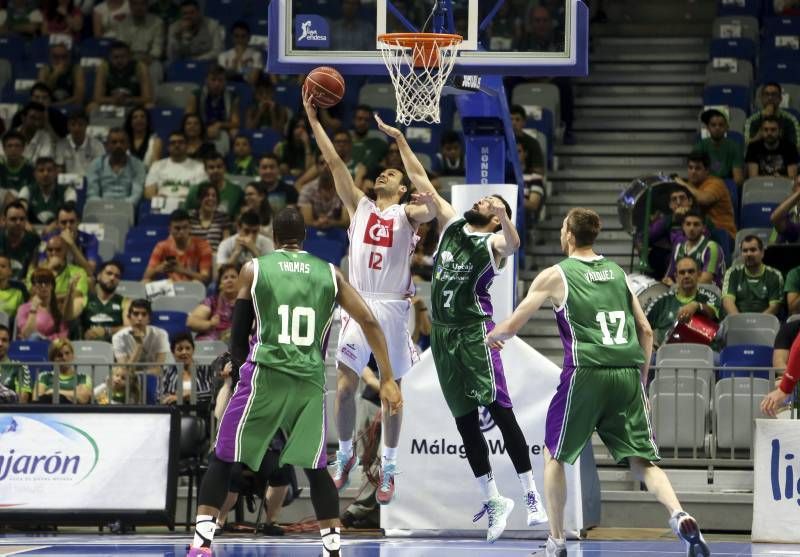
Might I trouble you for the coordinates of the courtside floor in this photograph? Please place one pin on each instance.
(174, 545)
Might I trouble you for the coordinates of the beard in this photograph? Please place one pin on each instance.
(107, 288)
(474, 218)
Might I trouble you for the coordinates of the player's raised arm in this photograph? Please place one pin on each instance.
(506, 241)
(422, 208)
(243, 315)
(357, 308)
(644, 332)
(342, 180)
(416, 172)
(547, 285)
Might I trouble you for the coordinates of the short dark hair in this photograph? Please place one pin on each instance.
(33, 105)
(44, 160)
(271, 156)
(449, 137)
(194, 3)
(239, 24)
(180, 132)
(183, 336)
(178, 215)
(213, 156)
(518, 110)
(342, 132)
(584, 224)
(364, 107)
(112, 263)
(39, 86)
(692, 212)
(216, 69)
(140, 303)
(773, 84)
(505, 203)
(69, 207)
(753, 238)
(250, 218)
(202, 190)
(771, 118)
(79, 114)
(702, 158)
(16, 204)
(690, 258)
(289, 225)
(119, 45)
(14, 134)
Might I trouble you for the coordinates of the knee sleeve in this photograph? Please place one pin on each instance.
(474, 443)
(513, 438)
(324, 496)
(214, 487)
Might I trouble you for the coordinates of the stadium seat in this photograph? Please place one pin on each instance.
(679, 411)
(166, 120)
(762, 233)
(160, 220)
(174, 95)
(756, 215)
(743, 8)
(206, 351)
(741, 49)
(727, 95)
(192, 71)
(119, 207)
(780, 66)
(446, 184)
(106, 249)
(184, 304)
(144, 238)
(38, 50)
(191, 289)
(88, 352)
(544, 95)
(377, 95)
(781, 25)
(132, 289)
(424, 138)
(244, 92)
(135, 264)
(12, 47)
(735, 27)
(262, 140)
(741, 76)
(329, 250)
(226, 12)
(750, 328)
(793, 91)
(685, 360)
(171, 321)
(26, 351)
(289, 95)
(93, 47)
(745, 356)
(6, 72)
(733, 191)
(737, 403)
(769, 189)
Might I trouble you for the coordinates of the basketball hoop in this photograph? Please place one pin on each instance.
(419, 64)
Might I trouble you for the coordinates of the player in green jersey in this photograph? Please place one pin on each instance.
(472, 250)
(607, 348)
(290, 294)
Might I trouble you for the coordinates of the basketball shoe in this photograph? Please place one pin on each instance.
(385, 490)
(497, 508)
(536, 512)
(344, 463)
(555, 548)
(685, 527)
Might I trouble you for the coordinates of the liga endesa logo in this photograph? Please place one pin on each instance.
(35, 448)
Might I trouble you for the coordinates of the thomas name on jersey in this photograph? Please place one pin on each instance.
(600, 276)
(294, 267)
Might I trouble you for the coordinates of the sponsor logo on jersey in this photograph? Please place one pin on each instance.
(447, 257)
(379, 232)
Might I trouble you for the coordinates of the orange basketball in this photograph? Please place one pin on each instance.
(326, 84)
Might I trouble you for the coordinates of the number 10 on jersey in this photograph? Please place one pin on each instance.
(611, 317)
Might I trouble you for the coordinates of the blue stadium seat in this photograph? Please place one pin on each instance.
(245, 94)
(93, 47)
(756, 215)
(748, 7)
(728, 95)
(151, 389)
(30, 351)
(780, 25)
(262, 140)
(331, 251)
(39, 50)
(13, 48)
(745, 355)
(780, 66)
(741, 49)
(160, 220)
(738, 137)
(144, 238)
(288, 95)
(171, 321)
(226, 12)
(165, 120)
(424, 138)
(544, 124)
(135, 264)
(334, 234)
(193, 71)
(733, 190)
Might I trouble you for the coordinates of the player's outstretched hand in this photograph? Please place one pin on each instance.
(497, 337)
(390, 394)
(311, 108)
(387, 129)
(423, 198)
(773, 402)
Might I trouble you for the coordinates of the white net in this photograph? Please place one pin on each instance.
(419, 70)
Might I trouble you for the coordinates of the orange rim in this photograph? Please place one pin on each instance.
(425, 40)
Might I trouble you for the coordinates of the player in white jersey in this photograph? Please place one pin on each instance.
(382, 239)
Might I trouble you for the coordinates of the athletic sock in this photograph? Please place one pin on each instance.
(389, 453)
(204, 527)
(488, 486)
(346, 446)
(527, 482)
(330, 542)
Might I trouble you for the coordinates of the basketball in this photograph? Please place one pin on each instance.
(326, 85)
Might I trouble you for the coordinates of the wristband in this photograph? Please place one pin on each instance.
(787, 383)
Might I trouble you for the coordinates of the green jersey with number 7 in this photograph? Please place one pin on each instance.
(294, 294)
(596, 322)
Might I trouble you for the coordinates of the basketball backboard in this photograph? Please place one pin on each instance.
(304, 34)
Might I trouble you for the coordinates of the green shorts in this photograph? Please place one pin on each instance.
(609, 400)
(264, 402)
(470, 373)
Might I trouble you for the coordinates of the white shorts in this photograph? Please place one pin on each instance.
(353, 349)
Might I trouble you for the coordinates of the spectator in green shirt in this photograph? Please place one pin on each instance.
(727, 159)
(751, 286)
(11, 295)
(229, 194)
(242, 163)
(73, 386)
(681, 303)
(771, 96)
(792, 289)
(15, 171)
(16, 241)
(14, 377)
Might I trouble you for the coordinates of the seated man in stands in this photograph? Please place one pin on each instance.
(106, 311)
(180, 257)
(710, 193)
(792, 290)
(535, 157)
(319, 203)
(751, 286)
(681, 303)
(786, 217)
(16, 171)
(725, 154)
(246, 244)
(771, 96)
(76, 152)
(242, 162)
(66, 274)
(45, 196)
(449, 160)
(81, 246)
(122, 81)
(174, 175)
(230, 195)
(140, 341)
(194, 36)
(279, 193)
(20, 244)
(117, 175)
(771, 155)
(708, 254)
(39, 141)
(14, 377)
(217, 107)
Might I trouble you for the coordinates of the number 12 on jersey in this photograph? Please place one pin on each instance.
(611, 317)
